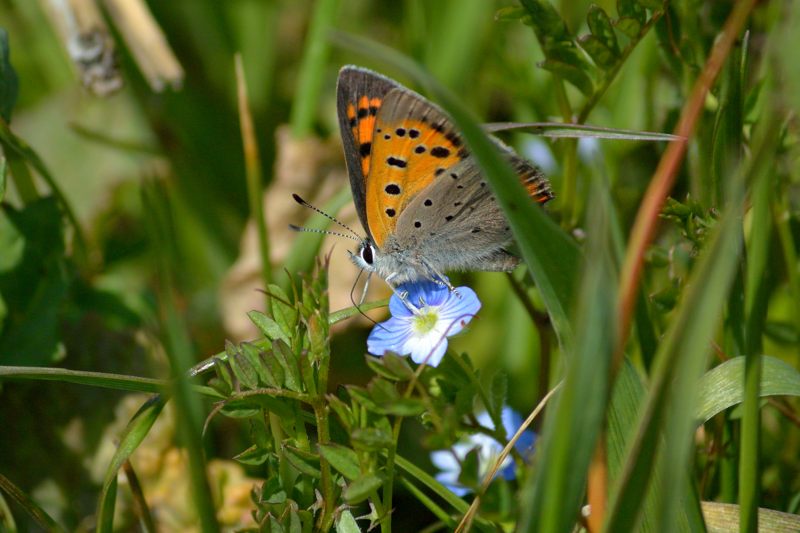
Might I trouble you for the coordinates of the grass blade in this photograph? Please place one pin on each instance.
(572, 429)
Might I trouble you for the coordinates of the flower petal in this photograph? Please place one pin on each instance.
(430, 292)
(429, 349)
(391, 335)
(458, 310)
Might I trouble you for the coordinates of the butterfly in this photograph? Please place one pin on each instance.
(418, 190)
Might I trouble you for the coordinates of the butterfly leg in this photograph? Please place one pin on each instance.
(440, 279)
(366, 288)
(403, 295)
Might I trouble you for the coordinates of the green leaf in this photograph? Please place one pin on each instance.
(342, 458)
(254, 455)
(244, 371)
(131, 438)
(259, 364)
(513, 14)
(575, 75)
(629, 26)
(361, 489)
(371, 439)
(346, 523)
(306, 463)
(632, 9)
(343, 314)
(39, 515)
(36, 278)
(268, 327)
(547, 22)
(602, 55)
(722, 386)
(9, 82)
(288, 363)
(601, 28)
(283, 312)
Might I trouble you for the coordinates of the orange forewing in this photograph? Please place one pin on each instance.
(363, 119)
(407, 155)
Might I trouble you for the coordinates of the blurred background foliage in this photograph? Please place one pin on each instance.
(96, 308)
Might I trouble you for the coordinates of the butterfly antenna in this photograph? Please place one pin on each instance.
(302, 202)
(353, 300)
(326, 232)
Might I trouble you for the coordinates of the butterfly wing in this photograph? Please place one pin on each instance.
(414, 144)
(456, 224)
(359, 96)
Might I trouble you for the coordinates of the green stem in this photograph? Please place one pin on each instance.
(326, 479)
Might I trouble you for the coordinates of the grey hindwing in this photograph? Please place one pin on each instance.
(353, 83)
(456, 224)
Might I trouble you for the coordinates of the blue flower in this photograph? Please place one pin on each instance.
(421, 328)
(449, 461)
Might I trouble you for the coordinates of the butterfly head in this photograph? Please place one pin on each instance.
(365, 256)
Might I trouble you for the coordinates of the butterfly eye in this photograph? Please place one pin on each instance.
(366, 254)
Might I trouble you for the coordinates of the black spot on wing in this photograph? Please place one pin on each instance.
(396, 162)
(392, 188)
(440, 151)
(365, 149)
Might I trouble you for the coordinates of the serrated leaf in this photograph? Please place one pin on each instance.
(600, 25)
(723, 386)
(570, 73)
(342, 458)
(9, 82)
(254, 455)
(361, 489)
(371, 439)
(268, 327)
